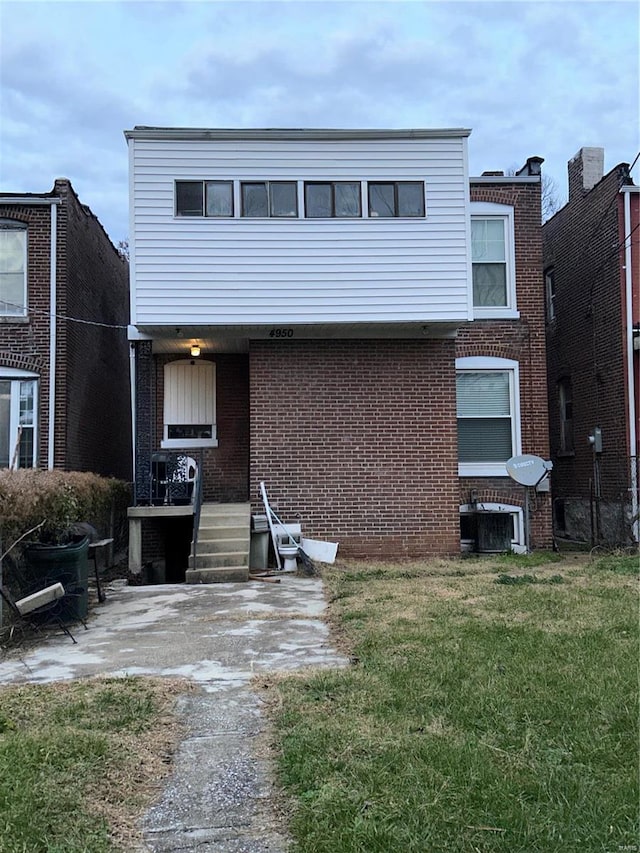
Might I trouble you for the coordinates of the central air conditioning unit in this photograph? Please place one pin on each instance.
(494, 532)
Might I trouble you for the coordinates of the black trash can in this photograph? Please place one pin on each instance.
(67, 564)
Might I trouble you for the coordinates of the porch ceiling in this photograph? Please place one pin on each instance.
(235, 339)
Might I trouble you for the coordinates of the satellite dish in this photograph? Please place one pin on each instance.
(528, 469)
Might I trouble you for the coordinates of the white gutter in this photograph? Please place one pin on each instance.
(630, 376)
(292, 134)
(52, 335)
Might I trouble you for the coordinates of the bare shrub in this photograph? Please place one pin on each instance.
(59, 498)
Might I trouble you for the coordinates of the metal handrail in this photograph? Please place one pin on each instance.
(167, 482)
(197, 504)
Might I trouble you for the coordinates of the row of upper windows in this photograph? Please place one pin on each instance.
(492, 251)
(321, 199)
(491, 236)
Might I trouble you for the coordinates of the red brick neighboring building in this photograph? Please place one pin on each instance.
(64, 385)
(376, 367)
(592, 271)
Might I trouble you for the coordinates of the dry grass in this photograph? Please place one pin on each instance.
(492, 707)
(133, 720)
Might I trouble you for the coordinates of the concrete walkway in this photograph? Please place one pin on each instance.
(220, 795)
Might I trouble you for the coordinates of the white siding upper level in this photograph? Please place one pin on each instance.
(231, 271)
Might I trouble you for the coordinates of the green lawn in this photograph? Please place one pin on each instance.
(79, 761)
(491, 706)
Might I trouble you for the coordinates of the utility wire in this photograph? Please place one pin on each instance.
(617, 249)
(66, 317)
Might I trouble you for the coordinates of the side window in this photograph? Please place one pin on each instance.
(565, 400)
(332, 199)
(189, 404)
(269, 198)
(550, 293)
(493, 260)
(204, 198)
(396, 199)
(13, 268)
(189, 198)
(219, 198)
(18, 420)
(488, 415)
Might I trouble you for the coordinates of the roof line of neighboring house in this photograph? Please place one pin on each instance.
(54, 196)
(144, 132)
(505, 179)
(29, 198)
(624, 174)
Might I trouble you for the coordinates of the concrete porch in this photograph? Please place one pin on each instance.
(219, 550)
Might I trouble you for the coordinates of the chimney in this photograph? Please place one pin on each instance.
(533, 167)
(585, 170)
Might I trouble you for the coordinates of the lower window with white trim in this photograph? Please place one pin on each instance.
(491, 528)
(189, 404)
(488, 412)
(18, 418)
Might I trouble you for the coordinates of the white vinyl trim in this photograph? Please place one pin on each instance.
(132, 235)
(467, 205)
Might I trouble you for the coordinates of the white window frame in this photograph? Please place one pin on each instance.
(505, 213)
(187, 443)
(475, 364)
(517, 540)
(7, 224)
(16, 376)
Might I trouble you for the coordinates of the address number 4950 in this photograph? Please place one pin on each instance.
(281, 333)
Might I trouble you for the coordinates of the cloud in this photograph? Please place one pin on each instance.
(529, 78)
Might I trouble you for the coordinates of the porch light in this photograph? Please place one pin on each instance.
(195, 350)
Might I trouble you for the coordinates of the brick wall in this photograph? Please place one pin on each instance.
(359, 438)
(226, 466)
(94, 396)
(523, 340)
(585, 341)
(92, 414)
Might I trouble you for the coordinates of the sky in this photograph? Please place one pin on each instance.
(528, 78)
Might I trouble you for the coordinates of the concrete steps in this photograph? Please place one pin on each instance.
(222, 554)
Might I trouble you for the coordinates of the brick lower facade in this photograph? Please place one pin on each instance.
(359, 438)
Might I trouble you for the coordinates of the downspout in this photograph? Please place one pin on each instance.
(132, 312)
(630, 376)
(132, 380)
(52, 336)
